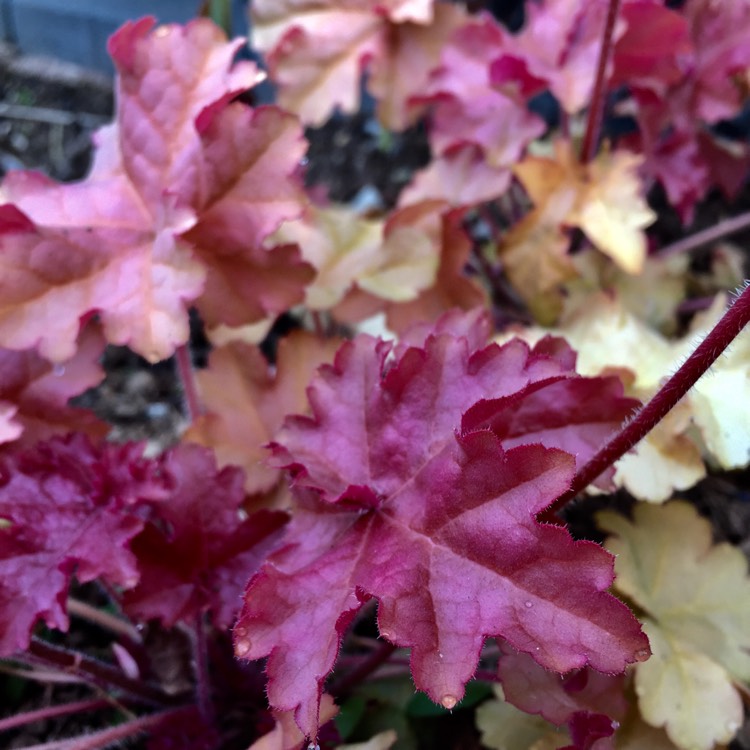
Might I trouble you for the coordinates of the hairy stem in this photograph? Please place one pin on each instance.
(96, 672)
(708, 351)
(367, 667)
(187, 377)
(107, 737)
(723, 229)
(598, 98)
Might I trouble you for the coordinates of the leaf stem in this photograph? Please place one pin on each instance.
(187, 377)
(716, 232)
(367, 667)
(707, 352)
(103, 619)
(598, 98)
(51, 712)
(106, 737)
(96, 672)
(200, 659)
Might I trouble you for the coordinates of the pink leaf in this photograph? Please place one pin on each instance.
(440, 527)
(467, 109)
(178, 157)
(41, 391)
(66, 507)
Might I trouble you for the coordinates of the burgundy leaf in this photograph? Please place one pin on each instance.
(67, 507)
(198, 552)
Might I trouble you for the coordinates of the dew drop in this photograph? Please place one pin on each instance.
(58, 370)
(528, 605)
(242, 647)
(440, 654)
(642, 654)
(449, 701)
(385, 634)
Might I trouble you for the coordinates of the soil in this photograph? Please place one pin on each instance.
(48, 112)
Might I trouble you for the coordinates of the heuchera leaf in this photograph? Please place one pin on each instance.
(504, 727)
(67, 507)
(558, 49)
(317, 51)
(393, 260)
(688, 79)
(696, 599)
(197, 552)
(245, 401)
(37, 393)
(466, 109)
(396, 502)
(451, 288)
(179, 157)
(588, 702)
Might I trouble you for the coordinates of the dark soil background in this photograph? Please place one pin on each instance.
(48, 111)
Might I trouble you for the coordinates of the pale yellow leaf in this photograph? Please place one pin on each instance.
(611, 211)
(394, 261)
(504, 727)
(696, 597)
(720, 401)
(665, 461)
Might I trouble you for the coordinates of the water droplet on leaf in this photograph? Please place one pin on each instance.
(242, 647)
(449, 701)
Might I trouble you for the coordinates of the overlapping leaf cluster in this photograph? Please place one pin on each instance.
(417, 477)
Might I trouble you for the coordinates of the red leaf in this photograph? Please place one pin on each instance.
(197, 553)
(440, 527)
(655, 51)
(66, 507)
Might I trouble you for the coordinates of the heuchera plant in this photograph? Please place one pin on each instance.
(380, 501)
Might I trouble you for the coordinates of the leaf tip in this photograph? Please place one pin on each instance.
(449, 701)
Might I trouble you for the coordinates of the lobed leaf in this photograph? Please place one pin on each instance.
(696, 599)
(67, 507)
(183, 190)
(395, 502)
(196, 553)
